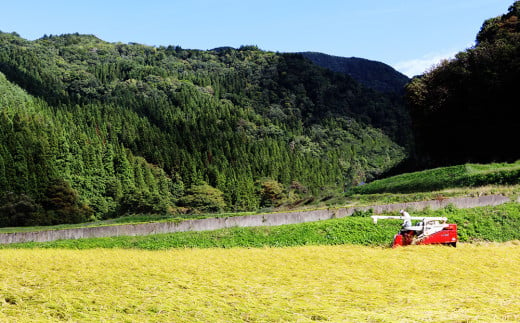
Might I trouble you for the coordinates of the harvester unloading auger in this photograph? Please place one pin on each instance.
(429, 230)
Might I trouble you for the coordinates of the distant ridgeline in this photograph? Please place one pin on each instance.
(374, 75)
(91, 129)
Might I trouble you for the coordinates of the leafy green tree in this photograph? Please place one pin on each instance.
(62, 205)
(18, 210)
(135, 202)
(203, 198)
(272, 193)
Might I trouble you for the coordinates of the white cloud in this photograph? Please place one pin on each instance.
(420, 65)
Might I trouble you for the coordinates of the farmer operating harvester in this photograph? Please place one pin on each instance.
(429, 230)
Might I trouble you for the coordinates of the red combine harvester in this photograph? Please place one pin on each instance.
(429, 230)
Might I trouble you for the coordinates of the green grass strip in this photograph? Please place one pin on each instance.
(499, 223)
(468, 175)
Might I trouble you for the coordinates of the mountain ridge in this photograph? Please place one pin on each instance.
(372, 74)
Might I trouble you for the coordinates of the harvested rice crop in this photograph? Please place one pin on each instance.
(303, 284)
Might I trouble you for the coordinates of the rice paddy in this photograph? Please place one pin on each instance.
(471, 283)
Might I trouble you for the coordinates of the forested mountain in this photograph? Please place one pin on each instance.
(465, 109)
(96, 129)
(375, 75)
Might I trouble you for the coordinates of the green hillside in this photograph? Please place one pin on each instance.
(467, 175)
(92, 129)
(50, 155)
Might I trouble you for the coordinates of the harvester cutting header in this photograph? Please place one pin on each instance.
(428, 230)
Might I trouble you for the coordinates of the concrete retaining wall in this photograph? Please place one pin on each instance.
(239, 221)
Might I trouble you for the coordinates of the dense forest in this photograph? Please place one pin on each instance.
(464, 109)
(91, 129)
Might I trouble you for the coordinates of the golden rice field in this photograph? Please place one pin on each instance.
(303, 284)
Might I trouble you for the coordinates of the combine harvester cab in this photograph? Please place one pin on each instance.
(429, 230)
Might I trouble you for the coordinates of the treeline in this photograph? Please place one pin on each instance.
(107, 129)
(463, 110)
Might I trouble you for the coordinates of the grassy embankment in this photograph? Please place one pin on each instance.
(498, 223)
(298, 284)
(128, 219)
(460, 176)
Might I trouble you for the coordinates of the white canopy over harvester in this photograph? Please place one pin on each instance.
(428, 230)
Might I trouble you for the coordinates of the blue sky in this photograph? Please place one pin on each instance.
(410, 35)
